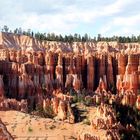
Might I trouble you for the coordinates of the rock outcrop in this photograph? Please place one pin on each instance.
(4, 134)
(32, 71)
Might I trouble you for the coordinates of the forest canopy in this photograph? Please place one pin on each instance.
(71, 38)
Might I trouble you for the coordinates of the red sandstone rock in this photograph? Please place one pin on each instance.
(62, 110)
(59, 72)
(76, 82)
(138, 102)
(102, 66)
(1, 87)
(90, 73)
(122, 62)
(101, 87)
(32, 72)
(110, 78)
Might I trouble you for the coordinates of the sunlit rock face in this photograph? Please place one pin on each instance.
(59, 72)
(104, 119)
(110, 77)
(128, 80)
(138, 102)
(90, 72)
(32, 70)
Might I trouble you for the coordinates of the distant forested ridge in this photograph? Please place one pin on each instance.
(71, 38)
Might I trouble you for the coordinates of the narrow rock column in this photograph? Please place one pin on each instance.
(90, 73)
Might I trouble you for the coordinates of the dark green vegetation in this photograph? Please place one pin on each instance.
(47, 113)
(128, 115)
(30, 129)
(80, 98)
(80, 113)
(71, 38)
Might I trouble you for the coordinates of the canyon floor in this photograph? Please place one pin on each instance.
(28, 127)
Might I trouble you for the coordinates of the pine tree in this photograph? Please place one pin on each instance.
(5, 28)
(99, 37)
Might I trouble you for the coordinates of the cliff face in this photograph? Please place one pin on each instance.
(12, 41)
(22, 42)
(32, 70)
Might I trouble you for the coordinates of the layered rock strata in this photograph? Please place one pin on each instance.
(31, 70)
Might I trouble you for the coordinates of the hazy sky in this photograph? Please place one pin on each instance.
(108, 17)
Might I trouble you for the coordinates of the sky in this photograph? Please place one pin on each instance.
(105, 17)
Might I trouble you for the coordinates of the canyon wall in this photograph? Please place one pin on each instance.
(30, 71)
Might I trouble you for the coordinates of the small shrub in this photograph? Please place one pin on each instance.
(88, 101)
(81, 98)
(30, 129)
(98, 103)
(72, 92)
(86, 121)
(47, 113)
(75, 99)
(52, 127)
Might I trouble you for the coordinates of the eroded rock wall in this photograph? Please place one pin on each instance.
(31, 70)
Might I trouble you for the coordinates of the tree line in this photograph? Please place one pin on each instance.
(71, 38)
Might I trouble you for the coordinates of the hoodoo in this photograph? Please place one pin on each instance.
(24, 71)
